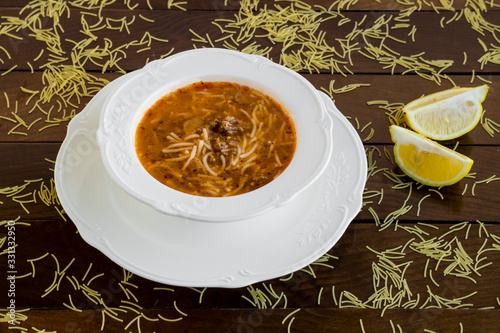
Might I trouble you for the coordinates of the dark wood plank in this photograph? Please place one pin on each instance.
(271, 321)
(40, 120)
(313, 287)
(27, 172)
(460, 201)
(222, 5)
(27, 159)
(395, 89)
(37, 114)
(23, 161)
(174, 26)
(399, 90)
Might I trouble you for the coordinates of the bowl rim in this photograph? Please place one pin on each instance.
(125, 106)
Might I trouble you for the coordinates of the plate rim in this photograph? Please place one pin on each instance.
(91, 238)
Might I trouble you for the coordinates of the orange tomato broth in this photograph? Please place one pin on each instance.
(215, 139)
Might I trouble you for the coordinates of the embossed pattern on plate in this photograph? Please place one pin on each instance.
(183, 252)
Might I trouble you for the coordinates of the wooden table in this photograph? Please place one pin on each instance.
(415, 259)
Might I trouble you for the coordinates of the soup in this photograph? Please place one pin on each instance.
(215, 139)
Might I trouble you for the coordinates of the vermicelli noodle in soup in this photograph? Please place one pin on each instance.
(215, 139)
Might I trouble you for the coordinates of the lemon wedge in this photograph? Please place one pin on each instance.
(446, 114)
(427, 161)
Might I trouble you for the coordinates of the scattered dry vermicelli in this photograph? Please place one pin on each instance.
(258, 298)
(491, 127)
(201, 292)
(295, 27)
(394, 111)
(28, 193)
(484, 181)
(391, 288)
(295, 30)
(66, 85)
(265, 298)
(19, 316)
(331, 91)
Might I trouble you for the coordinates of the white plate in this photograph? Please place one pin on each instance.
(182, 252)
(126, 105)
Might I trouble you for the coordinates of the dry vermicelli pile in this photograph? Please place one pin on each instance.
(66, 81)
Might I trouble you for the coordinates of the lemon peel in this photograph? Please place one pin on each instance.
(447, 114)
(427, 161)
